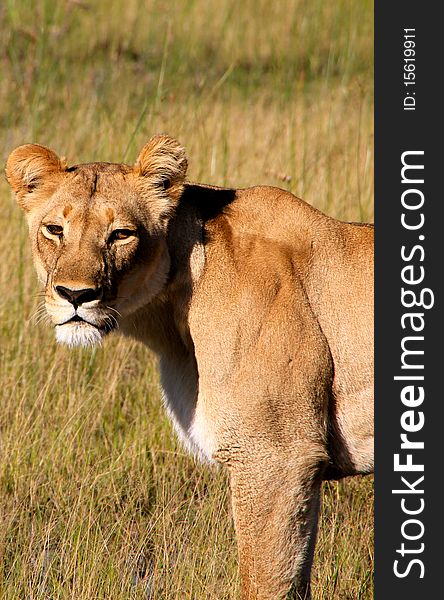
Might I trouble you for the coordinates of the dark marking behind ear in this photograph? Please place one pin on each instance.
(94, 184)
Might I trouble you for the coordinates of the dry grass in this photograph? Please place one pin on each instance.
(97, 500)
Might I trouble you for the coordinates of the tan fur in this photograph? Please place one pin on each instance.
(260, 309)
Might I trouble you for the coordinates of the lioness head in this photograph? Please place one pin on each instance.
(98, 232)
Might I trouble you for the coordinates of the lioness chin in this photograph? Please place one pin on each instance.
(259, 307)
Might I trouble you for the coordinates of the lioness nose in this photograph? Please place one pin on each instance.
(77, 297)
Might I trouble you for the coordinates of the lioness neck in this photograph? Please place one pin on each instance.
(163, 325)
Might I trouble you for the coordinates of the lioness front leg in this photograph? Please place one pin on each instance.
(275, 502)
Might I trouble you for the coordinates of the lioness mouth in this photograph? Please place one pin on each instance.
(82, 334)
(77, 319)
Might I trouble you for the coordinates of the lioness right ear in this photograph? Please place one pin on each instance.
(28, 166)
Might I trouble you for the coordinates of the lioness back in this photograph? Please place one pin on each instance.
(267, 232)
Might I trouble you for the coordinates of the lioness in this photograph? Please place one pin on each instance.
(259, 307)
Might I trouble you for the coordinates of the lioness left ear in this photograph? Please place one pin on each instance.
(161, 167)
(27, 168)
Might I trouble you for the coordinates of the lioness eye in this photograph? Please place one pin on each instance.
(54, 229)
(121, 234)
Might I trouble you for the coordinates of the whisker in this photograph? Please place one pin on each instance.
(41, 310)
(38, 319)
(112, 321)
(115, 310)
(41, 319)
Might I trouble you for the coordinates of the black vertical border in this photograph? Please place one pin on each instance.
(396, 131)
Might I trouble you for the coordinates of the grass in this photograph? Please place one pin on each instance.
(97, 498)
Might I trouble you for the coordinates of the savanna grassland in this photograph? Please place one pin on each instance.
(97, 498)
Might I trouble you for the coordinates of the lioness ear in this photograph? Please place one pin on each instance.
(28, 166)
(161, 167)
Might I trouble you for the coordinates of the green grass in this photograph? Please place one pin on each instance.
(97, 498)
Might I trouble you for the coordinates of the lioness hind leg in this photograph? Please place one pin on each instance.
(276, 509)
